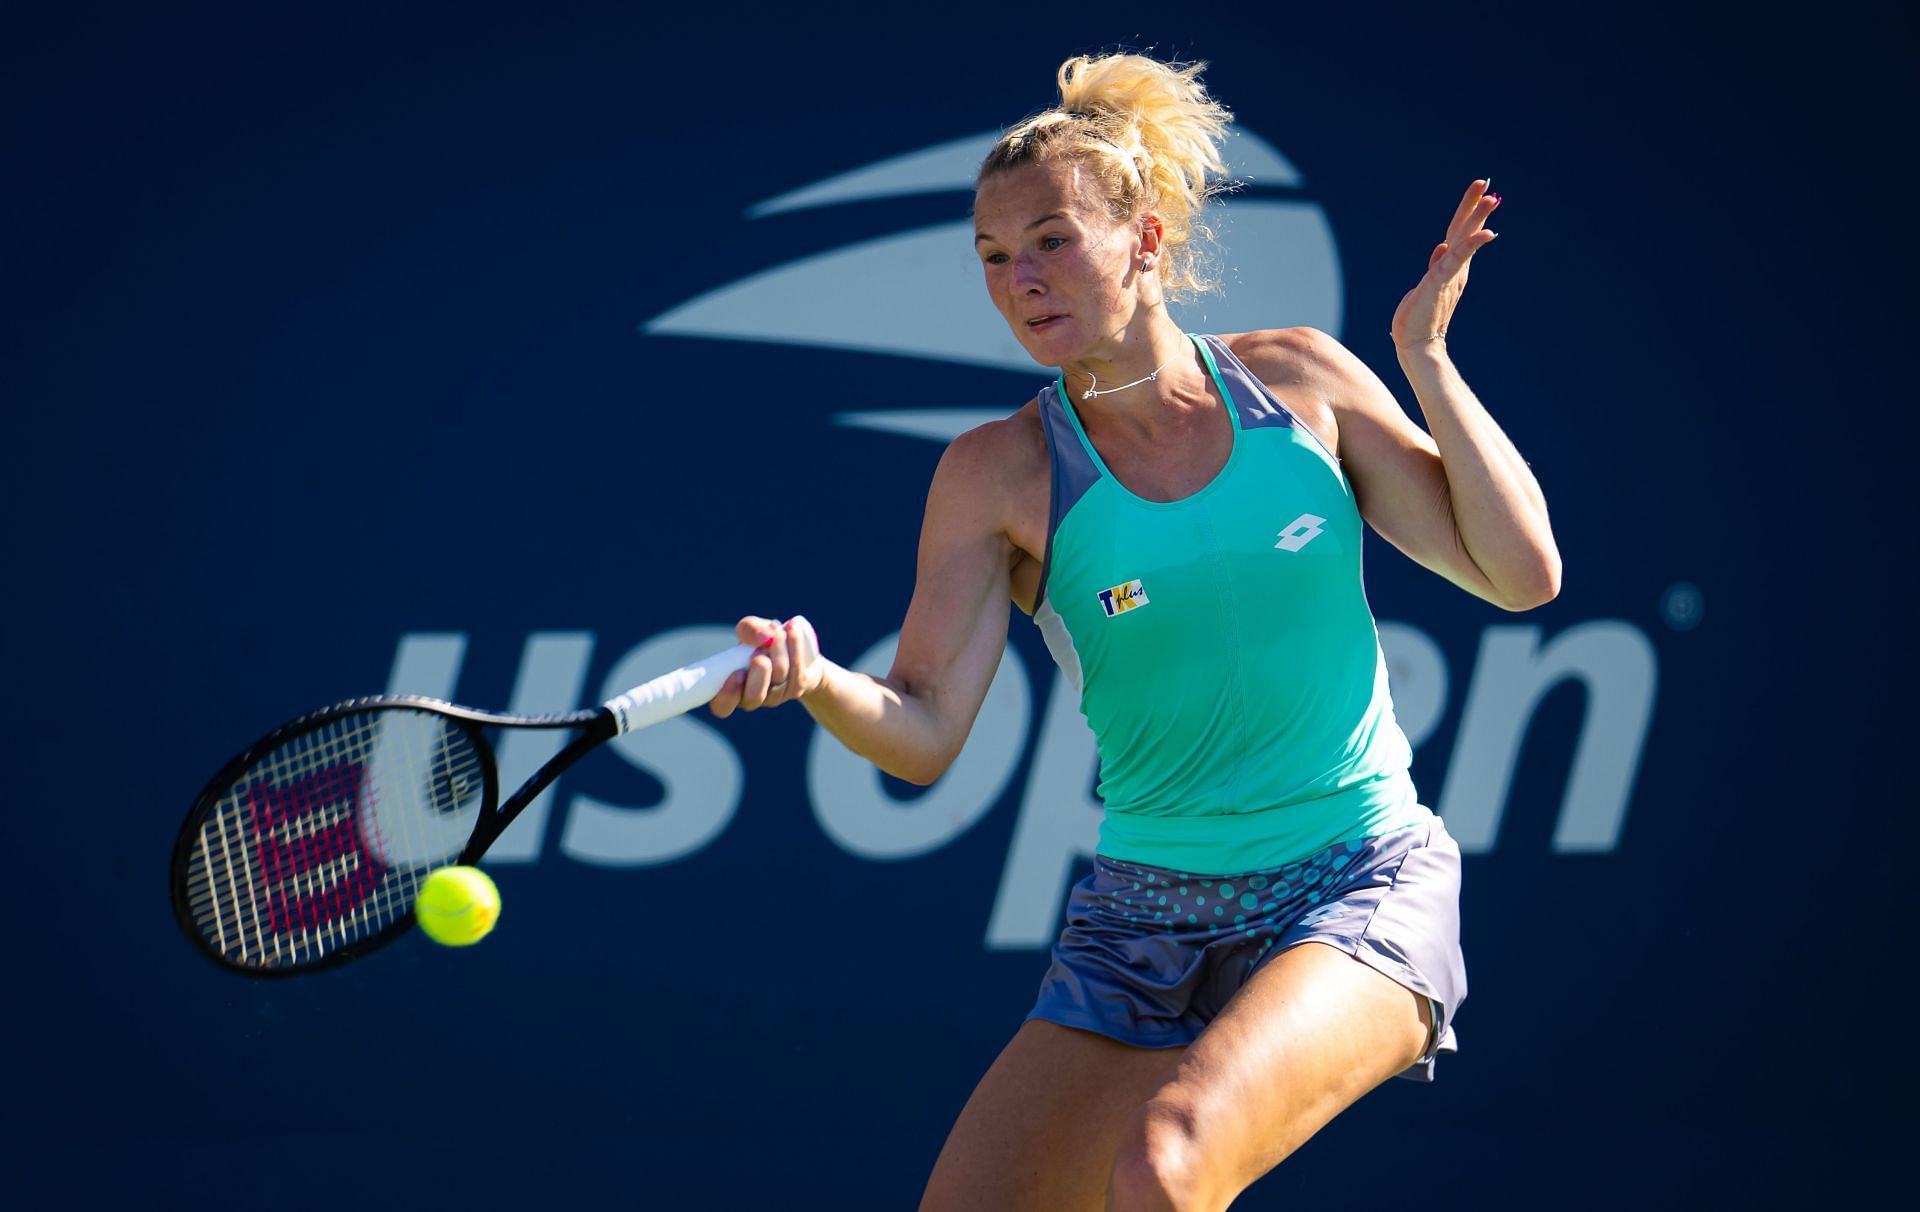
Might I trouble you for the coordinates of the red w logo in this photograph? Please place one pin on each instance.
(316, 874)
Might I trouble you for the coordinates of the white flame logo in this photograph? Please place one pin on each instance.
(1281, 269)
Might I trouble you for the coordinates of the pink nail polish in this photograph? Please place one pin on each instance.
(1496, 198)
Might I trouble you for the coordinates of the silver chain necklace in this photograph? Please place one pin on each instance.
(1093, 378)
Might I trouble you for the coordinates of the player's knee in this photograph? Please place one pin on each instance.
(1158, 1163)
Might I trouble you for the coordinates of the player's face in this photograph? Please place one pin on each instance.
(1064, 275)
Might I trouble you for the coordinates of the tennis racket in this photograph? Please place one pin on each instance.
(307, 850)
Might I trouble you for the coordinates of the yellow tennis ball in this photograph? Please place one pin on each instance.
(457, 906)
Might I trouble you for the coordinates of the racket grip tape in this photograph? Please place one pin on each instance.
(692, 685)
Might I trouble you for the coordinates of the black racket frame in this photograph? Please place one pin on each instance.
(599, 726)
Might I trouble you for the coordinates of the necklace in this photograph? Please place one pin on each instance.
(1093, 378)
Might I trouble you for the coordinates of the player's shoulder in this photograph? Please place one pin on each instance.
(1008, 449)
(1290, 355)
(1306, 369)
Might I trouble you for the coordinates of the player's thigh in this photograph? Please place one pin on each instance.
(1040, 1129)
(1311, 1032)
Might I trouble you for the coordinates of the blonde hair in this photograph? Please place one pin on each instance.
(1150, 135)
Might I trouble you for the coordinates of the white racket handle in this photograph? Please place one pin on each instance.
(692, 685)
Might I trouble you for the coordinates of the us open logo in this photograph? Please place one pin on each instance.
(930, 276)
(1122, 598)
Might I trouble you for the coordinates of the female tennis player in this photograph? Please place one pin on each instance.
(1271, 928)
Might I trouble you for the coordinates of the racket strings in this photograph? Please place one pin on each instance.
(325, 840)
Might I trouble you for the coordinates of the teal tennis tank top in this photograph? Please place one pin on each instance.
(1222, 646)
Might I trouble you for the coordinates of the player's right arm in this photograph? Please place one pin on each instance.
(912, 722)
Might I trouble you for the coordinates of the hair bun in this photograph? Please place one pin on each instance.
(1152, 135)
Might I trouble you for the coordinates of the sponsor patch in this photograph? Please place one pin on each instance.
(1122, 598)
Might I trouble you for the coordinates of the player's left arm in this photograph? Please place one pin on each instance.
(1456, 497)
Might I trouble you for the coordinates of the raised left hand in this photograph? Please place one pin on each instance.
(1423, 316)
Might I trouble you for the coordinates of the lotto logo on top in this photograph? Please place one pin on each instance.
(1122, 598)
(1301, 531)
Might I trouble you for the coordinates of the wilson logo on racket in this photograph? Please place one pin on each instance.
(1122, 598)
(308, 849)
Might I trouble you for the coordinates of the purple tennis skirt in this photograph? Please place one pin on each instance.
(1150, 956)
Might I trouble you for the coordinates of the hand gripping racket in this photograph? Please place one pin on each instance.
(307, 850)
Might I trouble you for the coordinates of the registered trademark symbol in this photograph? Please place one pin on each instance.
(1682, 606)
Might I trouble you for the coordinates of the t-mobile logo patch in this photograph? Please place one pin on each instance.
(1299, 532)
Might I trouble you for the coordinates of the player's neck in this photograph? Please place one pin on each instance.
(1141, 377)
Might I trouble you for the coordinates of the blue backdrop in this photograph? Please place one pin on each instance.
(495, 352)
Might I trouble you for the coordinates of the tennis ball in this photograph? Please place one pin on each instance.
(457, 906)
